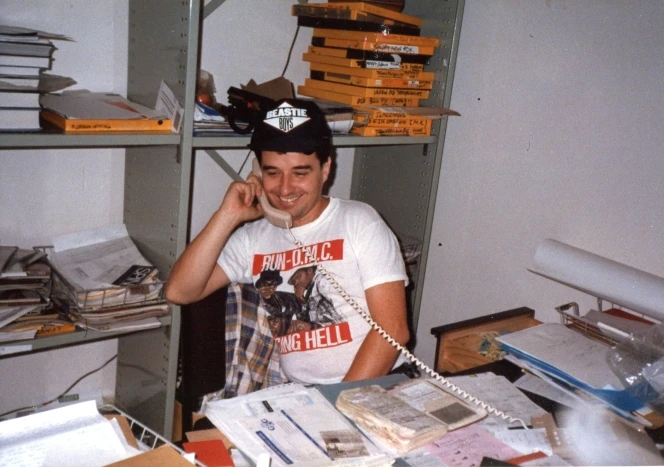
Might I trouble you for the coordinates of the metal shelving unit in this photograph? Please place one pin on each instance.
(164, 41)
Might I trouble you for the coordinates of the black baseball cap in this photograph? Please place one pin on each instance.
(291, 125)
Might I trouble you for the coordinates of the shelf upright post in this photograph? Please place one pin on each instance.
(163, 45)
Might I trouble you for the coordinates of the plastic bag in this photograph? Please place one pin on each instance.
(639, 363)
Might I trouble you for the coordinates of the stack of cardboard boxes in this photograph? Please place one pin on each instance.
(371, 58)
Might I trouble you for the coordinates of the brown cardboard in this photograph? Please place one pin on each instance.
(124, 426)
(163, 456)
(278, 88)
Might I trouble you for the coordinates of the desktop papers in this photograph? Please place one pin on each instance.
(295, 425)
(572, 358)
(388, 419)
(76, 435)
(498, 392)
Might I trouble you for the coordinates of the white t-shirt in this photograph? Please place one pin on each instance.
(317, 332)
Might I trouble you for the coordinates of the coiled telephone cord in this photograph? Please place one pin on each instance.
(376, 327)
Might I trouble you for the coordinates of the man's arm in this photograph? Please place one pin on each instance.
(196, 273)
(376, 356)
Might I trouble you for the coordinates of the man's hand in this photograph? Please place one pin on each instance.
(196, 273)
(239, 204)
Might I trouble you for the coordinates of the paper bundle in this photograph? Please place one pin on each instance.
(389, 419)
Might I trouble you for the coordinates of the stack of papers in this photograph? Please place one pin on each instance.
(572, 359)
(208, 122)
(78, 435)
(25, 302)
(387, 418)
(24, 277)
(107, 283)
(102, 268)
(295, 425)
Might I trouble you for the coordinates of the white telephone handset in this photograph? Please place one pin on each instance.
(273, 215)
(283, 219)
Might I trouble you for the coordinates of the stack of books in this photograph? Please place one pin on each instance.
(365, 55)
(25, 56)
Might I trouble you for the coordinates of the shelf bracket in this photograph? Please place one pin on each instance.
(221, 162)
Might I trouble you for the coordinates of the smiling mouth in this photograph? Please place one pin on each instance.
(289, 200)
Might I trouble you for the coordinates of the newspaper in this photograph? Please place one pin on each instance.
(102, 268)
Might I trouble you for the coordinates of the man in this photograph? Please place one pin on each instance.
(292, 142)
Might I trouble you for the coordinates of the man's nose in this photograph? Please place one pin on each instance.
(286, 185)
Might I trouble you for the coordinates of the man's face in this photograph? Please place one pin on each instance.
(293, 182)
(267, 289)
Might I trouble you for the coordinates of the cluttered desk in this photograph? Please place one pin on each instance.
(551, 396)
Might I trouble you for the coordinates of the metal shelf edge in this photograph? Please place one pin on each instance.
(241, 142)
(97, 140)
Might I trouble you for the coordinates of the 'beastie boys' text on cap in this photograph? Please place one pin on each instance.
(291, 125)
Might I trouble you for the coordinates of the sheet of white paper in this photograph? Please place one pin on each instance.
(76, 435)
(526, 441)
(543, 388)
(498, 392)
(287, 444)
(88, 237)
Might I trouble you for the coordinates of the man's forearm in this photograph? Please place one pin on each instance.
(375, 358)
(190, 278)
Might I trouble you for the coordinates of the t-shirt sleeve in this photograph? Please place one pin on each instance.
(379, 256)
(234, 258)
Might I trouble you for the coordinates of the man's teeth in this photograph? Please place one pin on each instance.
(288, 200)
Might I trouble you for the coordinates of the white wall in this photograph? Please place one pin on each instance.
(48, 192)
(561, 136)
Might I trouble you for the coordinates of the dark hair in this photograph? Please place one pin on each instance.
(322, 154)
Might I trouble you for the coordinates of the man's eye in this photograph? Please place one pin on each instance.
(301, 174)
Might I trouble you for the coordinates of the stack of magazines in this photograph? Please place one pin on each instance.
(106, 281)
(26, 310)
(208, 122)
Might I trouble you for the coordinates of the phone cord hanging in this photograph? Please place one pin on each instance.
(401, 348)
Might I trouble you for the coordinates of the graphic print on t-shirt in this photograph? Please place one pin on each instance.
(301, 314)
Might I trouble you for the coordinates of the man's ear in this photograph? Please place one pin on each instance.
(326, 169)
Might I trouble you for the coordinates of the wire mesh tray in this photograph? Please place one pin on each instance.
(146, 438)
(145, 293)
(577, 323)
